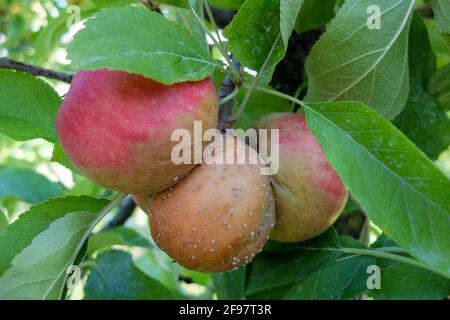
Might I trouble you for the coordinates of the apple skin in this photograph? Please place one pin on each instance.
(116, 127)
(142, 201)
(309, 194)
(217, 218)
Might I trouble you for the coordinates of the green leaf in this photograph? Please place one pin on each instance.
(27, 185)
(158, 266)
(111, 3)
(116, 236)
(227, 4)
(343, 278)
(315, 269)
(60, 156)
(230, 285)
(281, 264)
(401, 281)
(314, 14)
(144, 42)
(275, 293)
(28, 107)
(440, 43)
(39, 271)
(4, 222)
(439, 85)
(353, 62)
(441, 10)
(187, 19)
(85, 187)
(176, 3)
(259, 105)
(289, 10)
(423, 120)
(252, 34)
(49, 38)
(400, 189)
(38, 218)
(114, 276)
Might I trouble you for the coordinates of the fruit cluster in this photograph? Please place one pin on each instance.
(116, 128)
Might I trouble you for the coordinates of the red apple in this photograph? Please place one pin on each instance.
(116, 127)
(309, 194)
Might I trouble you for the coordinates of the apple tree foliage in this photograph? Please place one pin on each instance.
(372, 77)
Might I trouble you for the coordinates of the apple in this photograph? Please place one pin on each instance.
(309, 194)
(142, 201)
(218, 217)
(116, 127)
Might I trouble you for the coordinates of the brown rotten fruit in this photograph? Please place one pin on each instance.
(218, 217)
(309, 194)
(116, 127)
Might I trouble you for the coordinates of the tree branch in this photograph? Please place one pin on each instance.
(126, 209)
(36, 71)
(226, 110)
